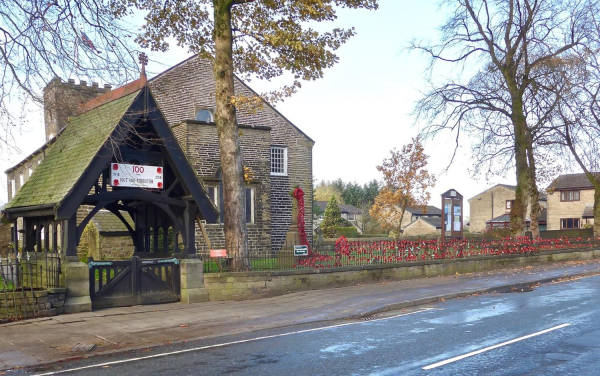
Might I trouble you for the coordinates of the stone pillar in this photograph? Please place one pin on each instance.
(77, 283)
(192, 281)
(291, 237)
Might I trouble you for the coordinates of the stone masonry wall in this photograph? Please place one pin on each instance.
(189, 86)
(202, 148)
(256, 285)
(102, 247)
(420, 227)
(37, 303)
(62, 100)
(558, 210)
(481, 206)
(5, 239)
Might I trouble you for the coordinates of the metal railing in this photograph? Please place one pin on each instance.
(21, 277)
(343, 253)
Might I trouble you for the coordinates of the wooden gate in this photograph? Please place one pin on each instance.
(133, 282)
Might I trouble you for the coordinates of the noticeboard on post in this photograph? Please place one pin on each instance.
(300, 250)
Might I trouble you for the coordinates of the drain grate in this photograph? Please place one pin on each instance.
(368, 318)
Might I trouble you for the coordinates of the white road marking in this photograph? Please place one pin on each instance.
(230, 343)
(447, 361)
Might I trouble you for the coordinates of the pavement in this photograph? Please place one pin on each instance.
(60, 338)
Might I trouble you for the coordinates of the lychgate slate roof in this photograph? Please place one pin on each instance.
(67, 158)
(431, 210)
(571, 181)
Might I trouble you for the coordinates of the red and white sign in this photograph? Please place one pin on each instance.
(218, 253)
(129, 175)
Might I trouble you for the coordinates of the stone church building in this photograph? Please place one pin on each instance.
(276, 152)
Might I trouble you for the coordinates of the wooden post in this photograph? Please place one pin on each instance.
(189, 224)
(69, 235)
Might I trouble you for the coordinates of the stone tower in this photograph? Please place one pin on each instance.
(62, 100)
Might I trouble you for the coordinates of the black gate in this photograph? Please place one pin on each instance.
(132, 282)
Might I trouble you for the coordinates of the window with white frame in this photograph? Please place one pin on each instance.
(12, 188)
(278, 160)
(30, 170)
(21, 180)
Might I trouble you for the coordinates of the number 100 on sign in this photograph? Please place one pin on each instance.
(130, 175)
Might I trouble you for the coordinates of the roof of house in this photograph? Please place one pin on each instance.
(588, 212)
(432, 221)
(504, 218)
(105, 221)
(431, 210)
(349, 209)
(570, 181)
(69, 156)
(507, 186)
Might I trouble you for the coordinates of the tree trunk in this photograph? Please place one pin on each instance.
(519, 209)
(227, 128)
(534, 193)
(596, 212)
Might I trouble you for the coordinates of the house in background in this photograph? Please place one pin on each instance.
(413, 214)
(348, 212)
(491, 208)
(570, 202)
(424, 225)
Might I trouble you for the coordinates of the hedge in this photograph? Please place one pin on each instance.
(348, 232)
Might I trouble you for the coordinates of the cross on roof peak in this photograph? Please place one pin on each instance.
(143, 59)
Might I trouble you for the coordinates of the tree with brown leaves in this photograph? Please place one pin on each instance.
(255, 39)
(406, 182)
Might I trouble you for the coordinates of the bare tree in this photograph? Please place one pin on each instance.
(576, 129)
(505, 103)
(43, 39)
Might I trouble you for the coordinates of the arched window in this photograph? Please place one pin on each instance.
(204, 115)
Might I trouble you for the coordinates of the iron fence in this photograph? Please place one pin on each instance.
(21, 277)
(343, 253)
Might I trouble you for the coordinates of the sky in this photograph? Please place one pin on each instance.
(359, 111)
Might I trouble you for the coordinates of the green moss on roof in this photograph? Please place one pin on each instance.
(69, 156)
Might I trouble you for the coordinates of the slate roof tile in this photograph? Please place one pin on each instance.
(69, 156)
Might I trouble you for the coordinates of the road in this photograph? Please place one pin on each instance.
(552, 330)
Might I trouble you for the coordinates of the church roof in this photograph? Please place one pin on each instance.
(70, 155)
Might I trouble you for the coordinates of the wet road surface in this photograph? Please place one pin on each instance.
(552, 330)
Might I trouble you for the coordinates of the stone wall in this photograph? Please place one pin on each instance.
(101, 246)
(558, 210)
(5, 239)
(28, 304)
(189, 86)
(200, 142)
(488, 205)
(63, 100)
(420, 227)
(256, 285)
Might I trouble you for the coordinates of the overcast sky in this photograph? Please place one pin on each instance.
(361, 108)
